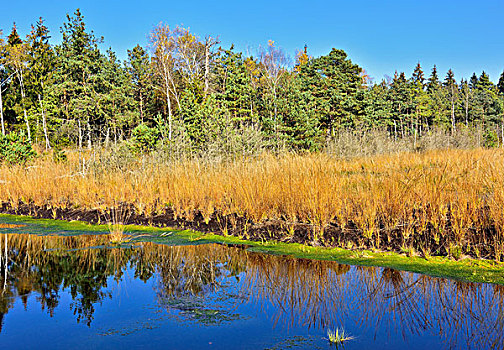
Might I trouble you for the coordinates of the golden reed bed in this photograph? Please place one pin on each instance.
(447, 202)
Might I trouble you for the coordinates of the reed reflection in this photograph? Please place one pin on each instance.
(200, 279)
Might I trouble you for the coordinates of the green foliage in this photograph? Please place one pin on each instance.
(205, 96)
(15, 148)
(143, 139)
(335, 88)
(500, 84)
(491, 139)
(59, 155)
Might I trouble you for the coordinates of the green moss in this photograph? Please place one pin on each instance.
(470, 270)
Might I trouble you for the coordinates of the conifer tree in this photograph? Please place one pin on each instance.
(473, 81)
(378, 106)
(138, 67)
(336, 90)
(17, 62)
(41, 65)
(13, 38)
(401, 95)
(500, 84)
(232, 85)
(3, 78)
(115, 103)
(417, 77)
(486, 107)
(76, 78)
(452, 93)
(433, 81)
(420, 98)
(466, 97)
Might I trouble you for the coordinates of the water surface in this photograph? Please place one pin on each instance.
(67, 292)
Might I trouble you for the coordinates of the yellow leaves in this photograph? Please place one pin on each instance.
(302, 58)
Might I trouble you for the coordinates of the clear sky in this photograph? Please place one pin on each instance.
(381, 36)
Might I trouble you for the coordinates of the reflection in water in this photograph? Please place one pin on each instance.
(303, 292)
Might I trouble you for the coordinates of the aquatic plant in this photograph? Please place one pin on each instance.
(118, 217)
(338, 336)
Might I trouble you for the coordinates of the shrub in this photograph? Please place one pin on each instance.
(15, 148)
(143, 139)
(491, 139)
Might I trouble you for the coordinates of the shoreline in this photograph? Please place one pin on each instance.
(466, 269)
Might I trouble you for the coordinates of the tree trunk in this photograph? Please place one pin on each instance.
(27, 123)
(467, 110)
(107, 137)
(89, 135)
(453, 116)
(81, 159)
(21, 84)
(25, 114)
(141, 107)
(1, 111)
(80, 134)
(502, 134)
(168, 102)
(44, 125)
(207, 66)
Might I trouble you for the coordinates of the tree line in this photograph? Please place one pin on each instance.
(183, 87)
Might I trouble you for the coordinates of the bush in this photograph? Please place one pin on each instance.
(15, 148)
(143, 139)
(491, 139)
(59, 155)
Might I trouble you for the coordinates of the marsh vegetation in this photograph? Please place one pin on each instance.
(446, 202)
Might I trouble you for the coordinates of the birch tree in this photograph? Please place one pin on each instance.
(17, 61)
(164, 41)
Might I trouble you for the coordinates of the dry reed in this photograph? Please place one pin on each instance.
(448, 202)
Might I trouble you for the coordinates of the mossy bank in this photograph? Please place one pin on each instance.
(470, 270)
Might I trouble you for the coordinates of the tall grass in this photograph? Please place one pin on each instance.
(447, 202)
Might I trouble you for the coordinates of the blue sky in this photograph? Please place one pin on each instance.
(381, 36)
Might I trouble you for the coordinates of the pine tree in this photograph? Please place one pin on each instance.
(452, 93)
(300, 127)
(417, 78)
(41, 66)
(3, 78)
(13, 38)
(76, 85)
(233, 86)
(473, 81)
(138, 67)
(17, 63)
(115, 106)
(487, 106)
(336, 91)
(500, 84)
(433, 81)
(466, 97)
(420, 97)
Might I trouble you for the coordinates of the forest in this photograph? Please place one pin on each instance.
(187, 92)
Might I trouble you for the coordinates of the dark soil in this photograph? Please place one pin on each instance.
(276, 230)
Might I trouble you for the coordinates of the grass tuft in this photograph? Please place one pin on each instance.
(338, 336)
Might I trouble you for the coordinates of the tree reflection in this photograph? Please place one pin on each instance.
(314, 293)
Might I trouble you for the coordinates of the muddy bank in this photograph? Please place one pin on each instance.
(420, 243)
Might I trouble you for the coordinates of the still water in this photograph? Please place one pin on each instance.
(75, 292)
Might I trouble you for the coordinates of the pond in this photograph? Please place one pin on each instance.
(61, 291)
